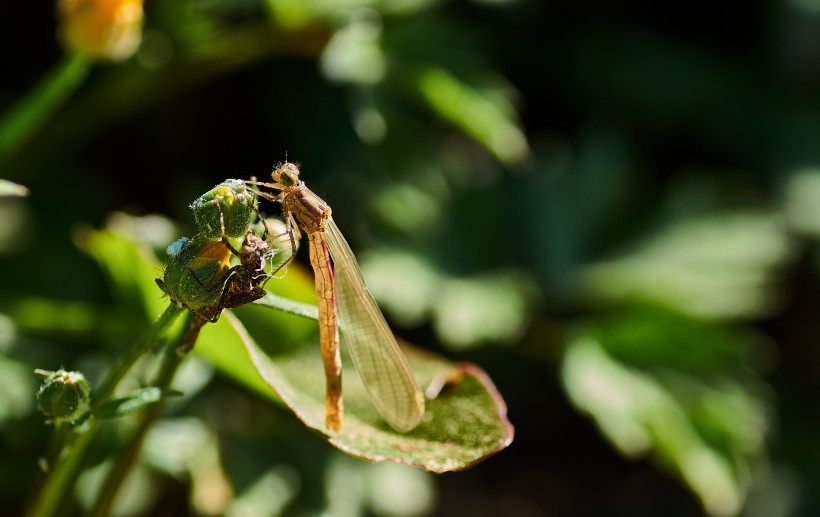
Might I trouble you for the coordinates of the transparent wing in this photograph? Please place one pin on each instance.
(380, 363)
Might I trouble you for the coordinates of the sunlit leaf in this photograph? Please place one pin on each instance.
(463, 425)
(720, 266)
(491, 308)
(802, 201)
(489, 119)
(121, 248)
(353, 54)
(9, 188)
(465, 312)
(17, 385)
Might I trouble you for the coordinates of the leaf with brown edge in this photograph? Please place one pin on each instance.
(464, 424)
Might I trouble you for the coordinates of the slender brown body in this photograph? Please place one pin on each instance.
(346, 304)
(311, 214)
(328, 330)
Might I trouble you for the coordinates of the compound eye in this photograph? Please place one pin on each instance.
(286, 174)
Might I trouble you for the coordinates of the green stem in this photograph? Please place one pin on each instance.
(23, 118)
(137, 350)
(69, 460)
(172, 359)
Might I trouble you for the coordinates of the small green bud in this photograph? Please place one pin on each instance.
(227, 210)
(63, 396)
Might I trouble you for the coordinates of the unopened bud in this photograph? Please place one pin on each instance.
(64, 396)
(226, 210)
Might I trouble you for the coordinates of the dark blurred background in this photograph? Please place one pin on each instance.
(610, 207)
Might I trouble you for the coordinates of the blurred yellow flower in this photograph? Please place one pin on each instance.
(107, 29)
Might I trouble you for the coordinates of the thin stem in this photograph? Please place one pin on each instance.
(172, 359)
(69, 459)
(137, 350)
(24, 118)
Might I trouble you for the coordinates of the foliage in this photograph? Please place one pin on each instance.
(612, 210)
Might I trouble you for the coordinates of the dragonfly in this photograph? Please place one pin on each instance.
(345, 303)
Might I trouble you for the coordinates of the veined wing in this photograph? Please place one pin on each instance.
(381, 365)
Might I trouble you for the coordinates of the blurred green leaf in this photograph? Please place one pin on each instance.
(720, 266)
(465, 312)
(138, 494)
(409, 296)
(187, 448)
(703, 419)
(353, 54)
(70, 319)
(17, 388)
(268, 495)
(374, 489)
(478, 111)
(653, 337)
(494, 307)
(299, 13)
(127, 262)
(9, 188)
(133, 402)
(802, 201)
(462, 426)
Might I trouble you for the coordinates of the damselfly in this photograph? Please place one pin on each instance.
(346, 304)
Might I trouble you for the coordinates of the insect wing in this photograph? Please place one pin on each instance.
(381, 365)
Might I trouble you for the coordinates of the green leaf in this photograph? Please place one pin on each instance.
(695, 409)
(487, 117)
(720, 266)
(128, 263)
(465, 424)
(133, 402)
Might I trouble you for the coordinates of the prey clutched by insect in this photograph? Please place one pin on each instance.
(199, 275)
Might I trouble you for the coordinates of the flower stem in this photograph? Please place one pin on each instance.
(24, 117)
(137, 350)
(69, 459)
(172, 359)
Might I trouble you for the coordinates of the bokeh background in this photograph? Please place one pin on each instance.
(611, 207)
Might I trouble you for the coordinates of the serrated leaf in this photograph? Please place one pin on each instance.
(133, 402)
(462, 426)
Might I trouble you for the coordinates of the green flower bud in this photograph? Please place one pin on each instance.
(64, 396)
(227, 210)
(196, 273)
